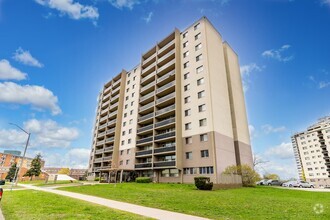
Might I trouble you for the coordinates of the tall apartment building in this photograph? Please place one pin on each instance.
(311, 150)
(180, 113)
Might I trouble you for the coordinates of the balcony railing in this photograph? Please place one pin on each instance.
(145, 117)
(112, 121)
(144, 152)
(169, 96)
(164, 164)
(97, 169)
(145, 128)
(145, 97)
(164, 110)
(165, 122)
(148, 68)
(103, 118)
(98, 151)
(106, 90)
(167, 75)
(107, 149)
(143, 165)
(147, 86)
(166, 46)
(115, 97)
(113, 113)
(166, 135)
(99, 143)
(105, 104)
(168, 85)
(116, 83)
(142, 108)
(109, 139)
(149, 58)
(148, 77)
(165, 66)
(115, 90)
(107, 158)
(166, 56)
(144, 140)
(164, 149)
(104, 111)
(105, 97)
(114, 105)
(105, 167)
(102, 126)
(101, 134)
(111, 131)
(98, 160)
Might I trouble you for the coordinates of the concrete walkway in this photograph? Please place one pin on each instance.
(127, 207)
(1, 215)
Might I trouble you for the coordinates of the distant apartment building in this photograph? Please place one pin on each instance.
(78, 174)
(7, 160)
(178, 114)
(311, 149)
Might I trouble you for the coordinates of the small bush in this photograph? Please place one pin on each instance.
(203, 183)
(97, 179)
(143, 180)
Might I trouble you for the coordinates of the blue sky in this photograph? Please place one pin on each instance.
(55, 56)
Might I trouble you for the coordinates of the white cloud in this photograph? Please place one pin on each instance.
(277, 54)
(282, 151)
(74, 10)
(270, 129)
(48, 133)
(325, 2)
(25, 57)
(74, 158)
(249, 68)
(37, 96)
(320, 84)
(124, 3)
(323, 84)
(148, 18)
(12, 138)
(252, 131)
(7, 72)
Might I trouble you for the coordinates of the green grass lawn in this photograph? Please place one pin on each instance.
(35, 205)
(242, 203)
(51, 183)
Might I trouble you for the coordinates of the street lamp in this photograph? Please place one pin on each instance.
(20, 166)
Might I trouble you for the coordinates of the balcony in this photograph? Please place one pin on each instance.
(105, 167)
(143, 165)
(115, 84)
(143, 152)
(144, 140)
(147, 98)
(96, 160)
(145, 89)
(99, 143)
(115, 91)
(166, 48)
(148, 60)
(112, 114)
(101, 134)
(165, 110)
(146, 107)
(164, 150)
(167, 67)
(149, 69)
(106, 90)
(99, 151)
(102, 126)
(109, 140)
(165, 122)
(167, 97)
(168, 75)
(107, 149)
(106, 97)
(145, 128)
(112, 122)
(107, 158)
(169, 56)
(165, 136)
(105, 104)
(164, 164)
(104, 111)
(103, 118)
(114, 99)
(97, 169)
(148, 78)
(112, 130)
(114, 106)
(167, 87)
(145, 117)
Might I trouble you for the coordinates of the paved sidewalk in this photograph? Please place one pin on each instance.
(306, 189)
(127, 207)
(1, 215)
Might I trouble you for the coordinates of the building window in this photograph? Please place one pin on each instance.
(125, 115)
(121, 152)
(187, 99)
(203, 137)
(132, 103)
(131, 121)
(202, 108)
(187, 112)
(133, 94)
(129, 74)
(130, 131)
(134, 78)
(170, 173)
(127, 162)
(204, 153)
(186, 76)
(198, 36)
(127, 89)
(201, 94)
(131, 112)
(124, 124)
(128, 151)
(129, 141)
(185, 44)
(206, 170)
(198, 47)
(188, 155)
(199, 57)
(185, 34)
(186, 87)
(191, 170)
(122, 142)
(121, 162)
(186, 64)
(123, 133)
(126, 98)
(188, 140)
(197, 26)
(185, 54)
(133, 86)
(126, 106)
(199, 69)
(202, 122)
(200, 81)
(128, 82)
(188, 126)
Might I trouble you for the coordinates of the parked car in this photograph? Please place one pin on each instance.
(303, 184)
(274, 183)
(261, 182)
(289, 183)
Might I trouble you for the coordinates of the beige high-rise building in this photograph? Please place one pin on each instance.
(180, 113)
(311, 149)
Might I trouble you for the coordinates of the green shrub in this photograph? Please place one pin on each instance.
(97, 179)
(203, 183)
(143, 180)
(249, 176)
